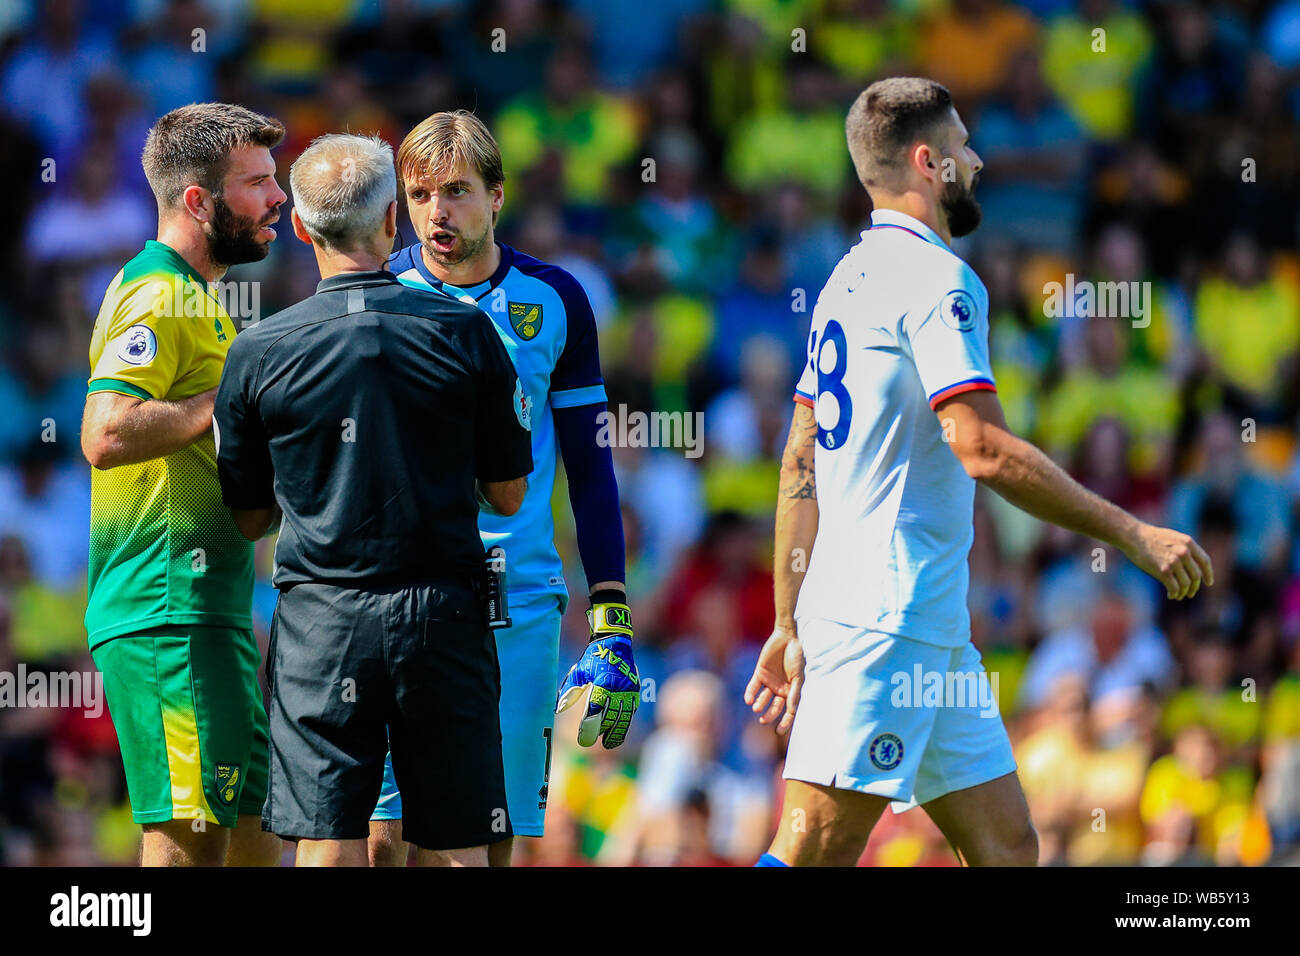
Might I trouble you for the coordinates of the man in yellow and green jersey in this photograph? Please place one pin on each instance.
(170, 583)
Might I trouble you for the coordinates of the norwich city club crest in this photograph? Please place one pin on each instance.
(526, 317)
(228, 781)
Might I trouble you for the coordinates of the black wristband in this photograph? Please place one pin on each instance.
(609, 596)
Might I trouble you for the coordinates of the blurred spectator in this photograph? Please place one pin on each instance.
(1239, 609)
(728, 557)
(801, 140)
(42, 396)
(1191, 83)
(1034, 154)
(122, 219)
(1214, 698)
(1139, 189)
(674, 217)
(632, 39)
(1111, 655)
(1108, 384)
(751, 420)
(760, 303)
(45, 505)
(1082, 783)
(1193, 807)
(172, 64)
(44, 79)
(289, 49)
(864, 39)
(967, 44)
(663, 489)
(572, 123)
(1248, 326)
(1254, 168)
(1096, 89)
(689, 803)
(1258, 501)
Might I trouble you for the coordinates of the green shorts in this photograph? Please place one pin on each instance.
(190, 721)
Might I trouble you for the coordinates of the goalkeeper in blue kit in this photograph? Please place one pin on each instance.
(451, 176)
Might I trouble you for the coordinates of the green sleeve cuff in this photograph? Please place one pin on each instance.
(122, 388)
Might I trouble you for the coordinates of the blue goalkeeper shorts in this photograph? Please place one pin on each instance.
(529, 653)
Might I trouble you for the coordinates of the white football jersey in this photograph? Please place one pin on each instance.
(901, 325)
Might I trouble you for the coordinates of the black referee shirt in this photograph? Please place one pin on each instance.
(367, 411)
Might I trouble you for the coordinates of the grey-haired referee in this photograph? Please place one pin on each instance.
(377, 418)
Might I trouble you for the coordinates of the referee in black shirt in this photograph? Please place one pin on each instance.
(377, 418)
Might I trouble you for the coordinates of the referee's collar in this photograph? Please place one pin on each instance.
(893, 219)
(352, 280)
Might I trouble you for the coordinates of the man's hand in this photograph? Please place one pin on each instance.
(604, 679)
(1172, 558)
(778, 679)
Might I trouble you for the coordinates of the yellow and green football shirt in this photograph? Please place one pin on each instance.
(163, 548)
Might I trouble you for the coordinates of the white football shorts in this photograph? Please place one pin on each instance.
(894, 717)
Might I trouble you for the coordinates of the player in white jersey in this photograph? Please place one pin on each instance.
(870, 665)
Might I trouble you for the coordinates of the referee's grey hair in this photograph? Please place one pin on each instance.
(342, 186)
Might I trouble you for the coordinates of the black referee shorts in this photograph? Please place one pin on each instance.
(355, 672)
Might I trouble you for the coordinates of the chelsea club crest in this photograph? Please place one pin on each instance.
(886, 751)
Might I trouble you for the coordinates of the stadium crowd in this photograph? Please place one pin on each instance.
(685, 159)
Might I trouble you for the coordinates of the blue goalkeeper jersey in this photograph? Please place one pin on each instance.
(545, 320)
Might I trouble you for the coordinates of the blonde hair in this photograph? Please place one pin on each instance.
(444, 142)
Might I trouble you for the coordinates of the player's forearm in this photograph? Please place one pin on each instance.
(1030, 480)
(127, 431)
(593, 494)
(796, 515)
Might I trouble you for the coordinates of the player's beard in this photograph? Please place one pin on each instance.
(233, 238)
(961, 208)
(465, 249)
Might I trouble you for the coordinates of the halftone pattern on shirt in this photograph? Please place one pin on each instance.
(163, 547)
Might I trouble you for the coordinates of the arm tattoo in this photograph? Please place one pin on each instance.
(798, 479)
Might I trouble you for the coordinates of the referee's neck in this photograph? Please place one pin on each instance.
(337, 263)
(366, 256)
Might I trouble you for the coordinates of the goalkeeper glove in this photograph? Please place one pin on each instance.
(605, 677)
